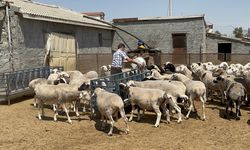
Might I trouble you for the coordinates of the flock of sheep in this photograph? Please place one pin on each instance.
(166, 91)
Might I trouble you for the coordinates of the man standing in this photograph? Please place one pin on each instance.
(118, 57)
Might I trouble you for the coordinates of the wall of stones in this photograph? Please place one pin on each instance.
(28, 37)
(158, 33)
(238, 47)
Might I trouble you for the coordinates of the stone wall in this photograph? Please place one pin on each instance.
(28, 37)
(4, 51)
(158, 33)
(238, 47)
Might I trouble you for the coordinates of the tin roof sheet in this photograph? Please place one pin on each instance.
(52, 13)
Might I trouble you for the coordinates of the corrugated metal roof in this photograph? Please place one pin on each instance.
(52, 13)
(157, 18)
(227, 38)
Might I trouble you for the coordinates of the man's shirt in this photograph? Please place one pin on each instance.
(118, 58)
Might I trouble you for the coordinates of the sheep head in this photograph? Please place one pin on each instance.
(130, 83)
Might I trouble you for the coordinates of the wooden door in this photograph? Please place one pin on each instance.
(179, 49)
(62, 50)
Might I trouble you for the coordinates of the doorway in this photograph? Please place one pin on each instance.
(224, 51)
(179, 49)
(61, 50)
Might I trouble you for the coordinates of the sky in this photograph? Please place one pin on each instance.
(225, 15)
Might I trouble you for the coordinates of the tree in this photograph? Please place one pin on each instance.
(238, 32)
(217, 32)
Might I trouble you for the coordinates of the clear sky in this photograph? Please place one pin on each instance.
(224, 14)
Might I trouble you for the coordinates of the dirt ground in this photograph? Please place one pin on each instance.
(20, 129)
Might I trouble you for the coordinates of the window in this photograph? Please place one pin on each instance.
(224, 51)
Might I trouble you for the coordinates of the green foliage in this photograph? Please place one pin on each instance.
(238, 32)
(217, 32)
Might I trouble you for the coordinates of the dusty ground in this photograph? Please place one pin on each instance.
(20, 129)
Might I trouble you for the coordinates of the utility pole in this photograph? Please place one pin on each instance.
(170, 7)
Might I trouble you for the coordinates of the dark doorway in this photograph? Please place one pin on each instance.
(224, 51)
(179, 48)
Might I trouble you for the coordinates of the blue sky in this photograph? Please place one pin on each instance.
(224, 14)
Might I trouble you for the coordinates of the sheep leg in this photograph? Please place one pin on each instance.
(237, 112)
(166, 112)
(222, 97)
(74, 106)
(177, 108)
(190, 106)
(226, 115)
(122, 113)
(203, 100)
(35, 101)
(55, 115)
(132, 111)
(77, 103)
(84, 108)
(111, 123)
(143, 112)
(158, 113)
(54, 107)
(40, 113)
(67, 113)
(138, 113)
(103, 124)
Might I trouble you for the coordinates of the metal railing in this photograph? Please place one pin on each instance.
(17, 82)
(111, 83)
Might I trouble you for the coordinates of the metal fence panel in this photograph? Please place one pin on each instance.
(111, 83)
(18, 81)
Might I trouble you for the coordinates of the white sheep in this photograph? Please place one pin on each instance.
(208, 79)
(58, 95)
(91, 75)
(184, 70)
(105, 70)
(194, 89)
(141, 61)
(109, 104)
(155, 74)
(35, 82)
(235, 93)
(174, 88)
(150, 99)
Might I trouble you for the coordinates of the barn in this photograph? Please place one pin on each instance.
(36, 35)
(182, 39)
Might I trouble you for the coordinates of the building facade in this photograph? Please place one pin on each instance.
(181, 39)
(42, 34)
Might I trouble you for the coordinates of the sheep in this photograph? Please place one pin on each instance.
(156, 67)
(174, 88)
(247, 66)
(105, 70)
(156, 75)
(184, 70)
(246, 77)
(223, 65)
(108, 104)
(91, 75)
(194, 89)
(35, 82)
(168, 66)
(54, 94)
(151, 99)
(235, 93)
(207, 78)
(141, 61)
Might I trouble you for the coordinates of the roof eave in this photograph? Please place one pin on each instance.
(56, 20)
